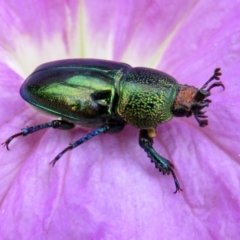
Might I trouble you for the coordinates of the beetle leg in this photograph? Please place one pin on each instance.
(80, 141)
(60, 124)
(162, 164)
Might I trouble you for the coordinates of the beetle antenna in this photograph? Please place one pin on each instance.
(202, 93)
(216, 76)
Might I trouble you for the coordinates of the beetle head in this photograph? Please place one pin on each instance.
(190, 100)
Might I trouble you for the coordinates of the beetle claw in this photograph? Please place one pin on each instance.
(53, 162)
(7, 142)
(178, 188)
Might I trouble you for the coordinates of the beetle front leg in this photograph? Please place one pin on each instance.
(162, 164)
(59, 124)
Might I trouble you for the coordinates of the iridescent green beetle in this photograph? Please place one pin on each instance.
(105, 96)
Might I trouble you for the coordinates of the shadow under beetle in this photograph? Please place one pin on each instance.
(106, 95)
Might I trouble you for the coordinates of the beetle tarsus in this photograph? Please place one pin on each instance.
(162, 164)
(70, 147)
(60, 124)
(103, 129)
(7, 142)
(177, 185)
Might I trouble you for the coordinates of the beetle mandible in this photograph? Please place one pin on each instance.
(105, 96)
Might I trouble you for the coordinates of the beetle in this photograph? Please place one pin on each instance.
(106, 95)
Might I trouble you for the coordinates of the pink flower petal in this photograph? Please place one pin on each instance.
(108, 189)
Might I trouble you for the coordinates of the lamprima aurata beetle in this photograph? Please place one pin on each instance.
(106, 95)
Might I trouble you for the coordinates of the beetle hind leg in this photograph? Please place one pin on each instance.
(162, 164)
(59, 124)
